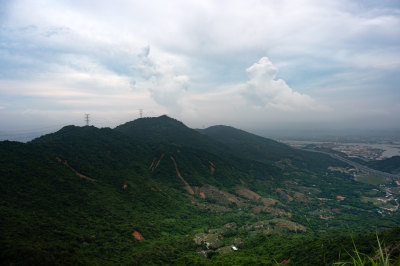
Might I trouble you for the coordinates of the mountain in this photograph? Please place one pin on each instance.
(164, 129)
(249, 145)
(390, 165)
(159, 129)
(153, 191)
(265, 150)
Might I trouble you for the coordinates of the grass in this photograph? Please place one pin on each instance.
(361, 259)
(370, 179)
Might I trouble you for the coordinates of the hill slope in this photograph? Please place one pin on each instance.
(266, 150)
(85, 195)
(389, 165)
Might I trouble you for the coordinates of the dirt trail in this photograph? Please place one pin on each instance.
(76, 172)
(212, 167)
(155, 163)
(187, 186)
(152, 163)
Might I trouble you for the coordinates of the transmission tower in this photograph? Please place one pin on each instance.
(87, 120)
(141, 113)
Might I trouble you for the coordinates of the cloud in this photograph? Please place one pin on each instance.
(169, 89)
(68, 54)
(166, 88)
(264, 90)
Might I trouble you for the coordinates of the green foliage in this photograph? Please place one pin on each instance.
(390, 165)
(264, 150)
(76, 197)
(382, 258)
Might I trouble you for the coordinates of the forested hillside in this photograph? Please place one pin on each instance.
(155, 191)
(390, 165)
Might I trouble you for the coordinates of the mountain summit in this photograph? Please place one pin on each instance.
(164, 129)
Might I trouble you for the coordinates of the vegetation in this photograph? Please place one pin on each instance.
(153, 191)
(390, 165)
(371, 179)
(382, 256)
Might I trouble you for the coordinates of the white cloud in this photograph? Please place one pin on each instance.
(74, 52)
(264, 90)
(165, 87)
(169, 89)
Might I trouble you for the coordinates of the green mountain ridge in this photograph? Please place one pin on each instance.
(389, 165)
(164, 129)
(83, 195)
(266, 150)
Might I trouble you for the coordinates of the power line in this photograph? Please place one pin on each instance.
(141, 113)
(87, 120)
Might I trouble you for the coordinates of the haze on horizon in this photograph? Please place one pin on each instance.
(255, 65)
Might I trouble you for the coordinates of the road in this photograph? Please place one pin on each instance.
(362, 168)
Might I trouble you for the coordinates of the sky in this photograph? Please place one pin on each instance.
(255, 64)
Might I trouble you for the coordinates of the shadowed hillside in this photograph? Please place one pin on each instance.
(262, 149)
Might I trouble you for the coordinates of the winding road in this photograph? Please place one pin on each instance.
(388, 177)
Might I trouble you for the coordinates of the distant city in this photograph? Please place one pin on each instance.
(364, 151)
(362, 144)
